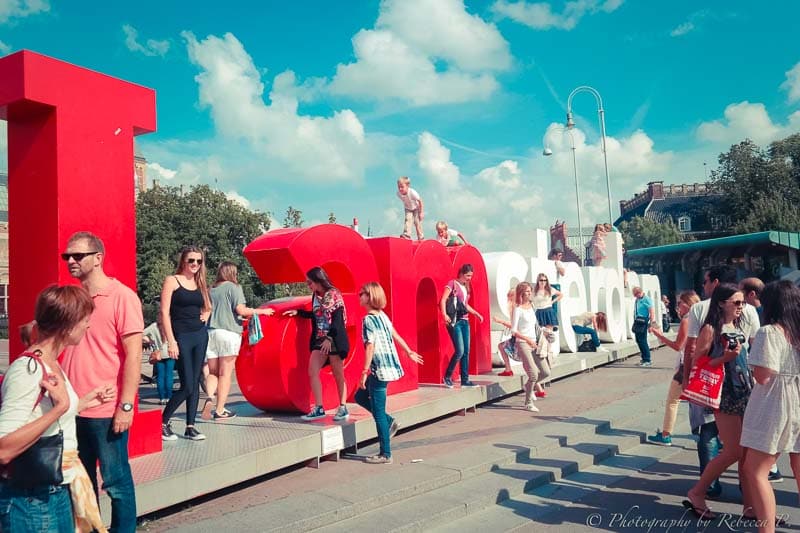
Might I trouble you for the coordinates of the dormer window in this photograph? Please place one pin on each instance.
(684, 224)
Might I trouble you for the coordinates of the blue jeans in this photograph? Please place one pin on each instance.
(459, 334)
(644, 348)
(43, 509)
(165, 369)
(192, 352)
(373, 399)
(584, 330)
(707, 449)
(98, 442)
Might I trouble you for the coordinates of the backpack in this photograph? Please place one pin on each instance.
(453, 307)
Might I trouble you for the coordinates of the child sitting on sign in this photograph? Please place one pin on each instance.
(449, 237)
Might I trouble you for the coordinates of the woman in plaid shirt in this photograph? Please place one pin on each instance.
(381, 365)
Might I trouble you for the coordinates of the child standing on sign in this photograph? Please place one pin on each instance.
(413, 206)
(381, 365)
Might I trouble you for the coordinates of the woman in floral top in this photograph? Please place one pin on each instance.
(328, 343)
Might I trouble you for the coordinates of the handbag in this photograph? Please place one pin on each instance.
(586, 346)
(705, 383)
(254, 332)
(639, 325)
(509, 346)
(41, 464)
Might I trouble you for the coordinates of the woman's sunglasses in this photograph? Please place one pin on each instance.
(192, 261)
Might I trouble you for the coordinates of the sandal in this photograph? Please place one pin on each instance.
(207, 407)
(704, 514)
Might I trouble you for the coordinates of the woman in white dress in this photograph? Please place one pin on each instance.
(771, 423)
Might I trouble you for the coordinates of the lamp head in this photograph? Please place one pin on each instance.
(547, 151)
(570, 121)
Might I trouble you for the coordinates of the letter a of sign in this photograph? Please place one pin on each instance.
(70, 166)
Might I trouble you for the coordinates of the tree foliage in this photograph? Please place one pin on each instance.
(762, 187)
(167, 219)
(641, 232)
(293, 218)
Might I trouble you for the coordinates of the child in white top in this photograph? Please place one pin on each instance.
(447, 236)
(414, 208)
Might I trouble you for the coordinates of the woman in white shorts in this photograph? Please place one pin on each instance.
(225, 338)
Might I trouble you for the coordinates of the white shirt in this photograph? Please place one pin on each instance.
(410, 200)
(20, 390)
(699, 311)
(524, 322)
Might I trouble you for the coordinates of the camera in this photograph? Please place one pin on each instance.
(733, 339)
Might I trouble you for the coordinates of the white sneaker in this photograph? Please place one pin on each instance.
(531, 407)
(601, 349)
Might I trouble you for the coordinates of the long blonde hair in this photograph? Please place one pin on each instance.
(200, 275)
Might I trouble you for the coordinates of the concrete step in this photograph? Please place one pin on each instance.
(541, 457)
(548, 504)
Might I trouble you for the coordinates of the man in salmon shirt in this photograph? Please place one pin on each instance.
(110, 352)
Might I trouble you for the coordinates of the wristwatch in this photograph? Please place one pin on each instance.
(126, 407)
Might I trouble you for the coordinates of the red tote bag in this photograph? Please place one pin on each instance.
(705, 384)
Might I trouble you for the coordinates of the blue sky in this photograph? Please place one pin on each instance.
(322, 105)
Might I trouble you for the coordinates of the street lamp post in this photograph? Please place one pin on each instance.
(601, 113)
(548, 152)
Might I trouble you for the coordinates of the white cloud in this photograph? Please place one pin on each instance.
(424, 52)
(157, 172)
(443, 29)
(10, 9)
(682, 29)
(694, 22)
(293, 145)
(792, 83)
(746, 120)
(238, 198)
(540, 15)
(630, 159)
(434, 160)
(4, 48)
(151, 47)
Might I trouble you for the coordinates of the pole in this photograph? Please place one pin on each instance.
(581, 251)
(601, 114)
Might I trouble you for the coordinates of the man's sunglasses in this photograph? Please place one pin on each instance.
(77, 256)
(192, 261)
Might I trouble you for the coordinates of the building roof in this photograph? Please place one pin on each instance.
(782, 238)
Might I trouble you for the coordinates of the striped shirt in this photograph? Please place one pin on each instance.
(377, 330)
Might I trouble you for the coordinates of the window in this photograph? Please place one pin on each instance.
(684, 224)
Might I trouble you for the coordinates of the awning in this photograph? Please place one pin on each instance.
(782, 238)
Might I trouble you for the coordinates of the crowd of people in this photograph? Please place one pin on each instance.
(753, 332)
(85, 402)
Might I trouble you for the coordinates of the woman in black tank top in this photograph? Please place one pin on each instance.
(185, 307)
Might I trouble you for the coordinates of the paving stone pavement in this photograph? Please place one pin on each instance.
(500, 469)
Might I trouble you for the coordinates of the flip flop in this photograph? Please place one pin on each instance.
(705, 514)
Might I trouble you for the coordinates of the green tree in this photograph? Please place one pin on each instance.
(641, 232)
(761, 187)
(293, 218)
(168, 219)
(331, 218)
